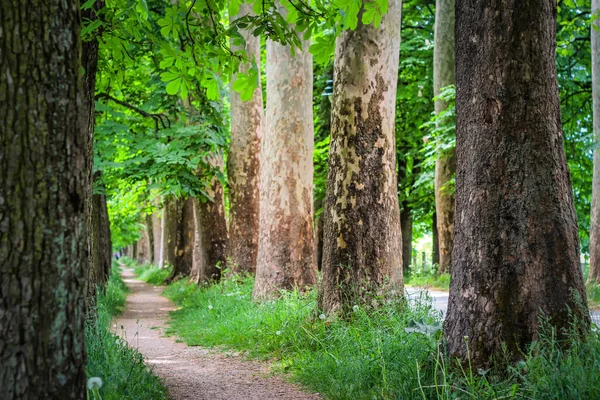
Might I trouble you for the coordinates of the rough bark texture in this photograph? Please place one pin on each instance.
(445, 165)
(157, 234)
(362, 241)
(184, 246)
(516, 242)
(286, 250)
(243, 164)
(210, 241)
(594, 275)
(168, 233)
(44, 184)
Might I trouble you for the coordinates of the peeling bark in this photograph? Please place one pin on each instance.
(210, 241)
(362, 240)
(243, 164)
(445, 166)
(44, 186)
(594, 274)
(286, 250)
(516, 247)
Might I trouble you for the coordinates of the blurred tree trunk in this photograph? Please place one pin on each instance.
(406, 225)
(516, 250)
(157, 235)
(243, 163)
(286, 250)
(435, 257)
(184, 247)
(210, 241)
(44, 197)
(594, 274)
(362, 251)
(150, 237)
(169, 232)
(445, 165)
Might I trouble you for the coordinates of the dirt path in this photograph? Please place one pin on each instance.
(193, 372)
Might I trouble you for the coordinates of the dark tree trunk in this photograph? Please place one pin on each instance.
(169, 233)
(150, 236)
(184, 249)
(44, 186)
(100, 248)
(243, 164)
(516, 247)
(362, 239)
(319, 240)
(210, 242)
(435, 256)
(406, 224)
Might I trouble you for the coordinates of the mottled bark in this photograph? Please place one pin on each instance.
(210, 241)
(243, 164)
(445, 165)
(157, 235)
(516, 250)
(44, 184)
(169, 233)
(594, 274)
(286, 250)
(184, 246)
(362, 253)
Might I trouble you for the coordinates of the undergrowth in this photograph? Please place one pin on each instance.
(390, 353)
(150, 273)
(429, 279)
(121, 368)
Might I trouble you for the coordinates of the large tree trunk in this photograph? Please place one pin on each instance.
(44, 184)
(243, 164)
(445, 165)
(362, 254)
(169, 233)
(286, 251)
(210, 241)
(184, 247)
(594, 275)
(517, 245)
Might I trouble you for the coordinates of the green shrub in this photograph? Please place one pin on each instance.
(121, 368)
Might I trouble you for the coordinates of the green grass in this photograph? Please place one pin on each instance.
(383, 354)
(428, 279)
(593, 295)
(121, 368)
(151, 273)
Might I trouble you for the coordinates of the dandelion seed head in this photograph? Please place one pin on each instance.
(94, 383)
(278, 333)
(322, 316)
(355, 308)
(210, 307)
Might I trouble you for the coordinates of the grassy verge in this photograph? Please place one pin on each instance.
(593, 295)
(121, 368)
(391, 353)
(149, 273)
(429, 280)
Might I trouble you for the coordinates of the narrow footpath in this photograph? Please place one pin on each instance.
(193, 372)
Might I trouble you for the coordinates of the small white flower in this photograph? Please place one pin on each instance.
(322, 316)
(118, 341)
(466, 338)
(210, 307)
(94, 383)
(355, 308)
(278, 333)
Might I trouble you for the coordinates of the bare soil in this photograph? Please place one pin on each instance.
(194, 372)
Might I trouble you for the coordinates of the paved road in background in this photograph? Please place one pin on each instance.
(440, 300)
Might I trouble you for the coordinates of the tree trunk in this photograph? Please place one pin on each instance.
(517, 245)
(184, 248)
(445, 165)
(243, 164)
(362, 252)
(435, 254)
(44, 186)
(101, 248)
(594, 274)
(169, 233)
(286, 251)
(143, 244)
(157, 234)
(210, 242)
(150, 237)
(406, 225)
